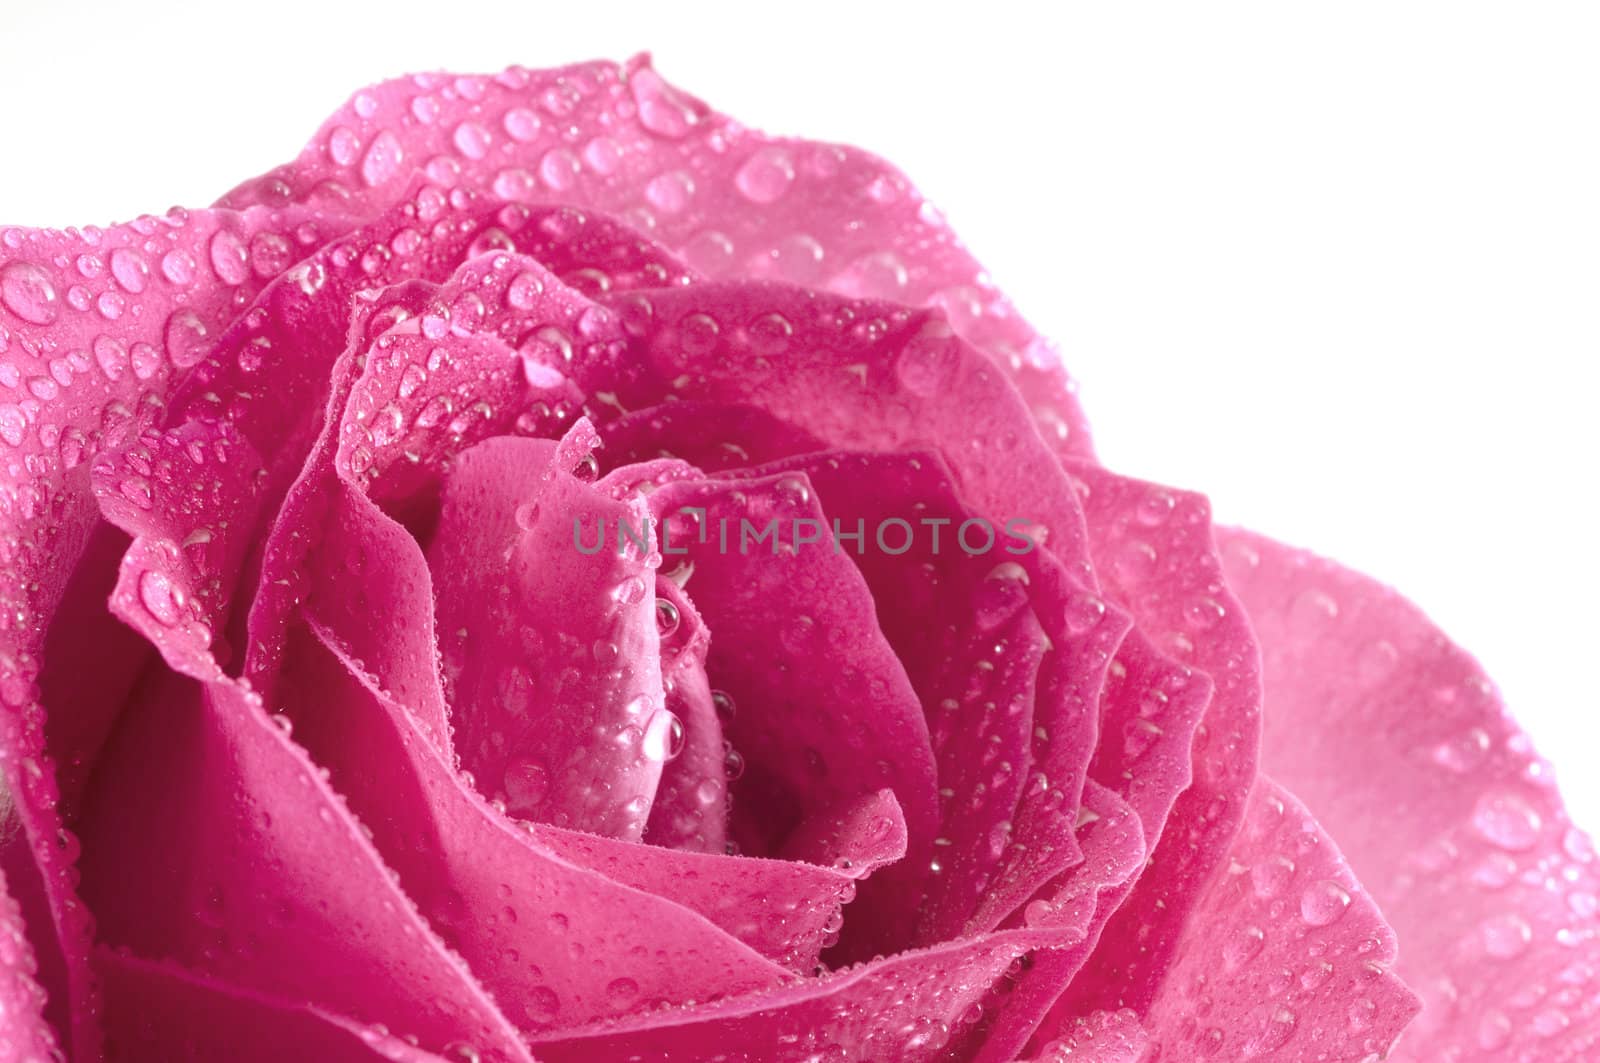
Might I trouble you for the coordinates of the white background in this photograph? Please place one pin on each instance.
(1336, 265)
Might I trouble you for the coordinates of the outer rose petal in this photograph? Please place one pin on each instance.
(290, 900)
(159, 1011)
(730, 200)
(1399, 743)
(857, 374)
(1284, 956)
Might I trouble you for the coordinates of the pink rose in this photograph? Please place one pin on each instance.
(443, 707)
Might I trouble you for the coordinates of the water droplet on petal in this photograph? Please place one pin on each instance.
(1323, 903)
(27, 291)
(1504, 819)
(130, 269)
(766, 175)
(663, 736)
(160, 597)
(382, 160)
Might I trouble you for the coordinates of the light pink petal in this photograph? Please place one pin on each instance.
(556, 944)
(1399, 743)
(1153, 549)
(211, 839)
(691, 804)
(731, 201)
(1284, 955)
(162, 1012)
(552, 653)
(824, 709)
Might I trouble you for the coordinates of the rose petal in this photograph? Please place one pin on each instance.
(497, 895)
(690, 810)
(548, 646)
(811, 737)
(1005, 653)
(283, 876)
(729, 200)
(785, 909)
(1402, 747)
(711, 436)
(1101, 1037)
(1086, 894)
(1249, 979)
(907, 1008)
(1154, 550)
(1149, 710)
(161, 1011)
(858, 375)
(26, 1033)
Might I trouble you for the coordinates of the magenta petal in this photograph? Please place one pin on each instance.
(1114, 852)
(1149, 710)
(858, 375)
(1102, 1037)
(731, 201)
(1006, 654)
(711, 436)
(785, 909)
(23, 1029)
(211, 839)
(1284, 955)
(369, 567)
(1154, 551)
(908, 1008)
(159, 1011)
(519, 913)
(547, 646)
(1399, 742)
(811, 737)
(691, 803)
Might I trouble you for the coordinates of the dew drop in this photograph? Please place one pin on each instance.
(26, 290)
(160, 597)
(766, 175)
(382, 160)
(526, 783)
(667, 617)
(521, 124)
(178, 267)
(472, 140)
(663, 736)
(1504, 819)
(130, 269)
(228, 257)
(1323, 903)
(1505, 936)
(186, 338)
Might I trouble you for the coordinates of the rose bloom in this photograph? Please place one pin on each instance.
(323, 740)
